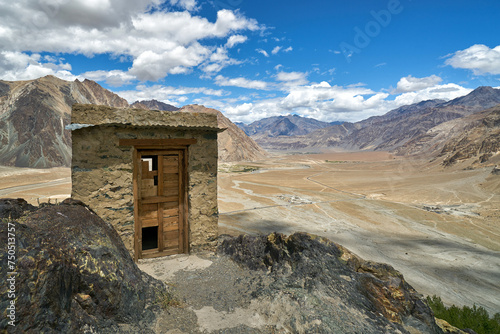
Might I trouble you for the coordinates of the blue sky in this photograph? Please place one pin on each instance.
(331, 60)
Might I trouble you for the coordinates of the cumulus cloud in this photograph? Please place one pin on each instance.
(292, 79)
(240, 82)
(189, 5)
(479, 58)
(158, 42)
(235, 39)
(442, 92)
(410, 83)
(175, 95)
(20, 66)
(113, 78)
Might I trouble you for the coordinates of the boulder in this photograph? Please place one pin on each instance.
(73, 275)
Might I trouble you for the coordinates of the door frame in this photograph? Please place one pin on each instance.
(160, 145)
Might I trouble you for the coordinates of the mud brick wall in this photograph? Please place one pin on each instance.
(102, 174)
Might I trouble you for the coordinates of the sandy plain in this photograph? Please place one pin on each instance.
(439, 227)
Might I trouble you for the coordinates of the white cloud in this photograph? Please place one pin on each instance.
(20, 66)
(292, 79)
(240, 82)
(280, 48)
(443, 92)
(189, 5)
(479, 58)
(264, 52)
(175, 95)
(113, 78)
(235, 39)
(158, 42)
(410, 83)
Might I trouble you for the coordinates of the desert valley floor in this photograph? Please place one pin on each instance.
(439, 227)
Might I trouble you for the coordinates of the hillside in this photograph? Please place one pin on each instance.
(474, 139)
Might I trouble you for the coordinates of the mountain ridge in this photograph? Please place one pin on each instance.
(395, 131)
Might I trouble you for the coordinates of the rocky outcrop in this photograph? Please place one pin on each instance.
(73, 275)
(11, 208)
(331, 289)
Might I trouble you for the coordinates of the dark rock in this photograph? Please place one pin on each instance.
(14, 208)
(334, 289)
(74, 275)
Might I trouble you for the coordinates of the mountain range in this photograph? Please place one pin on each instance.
(34, 114)
(291, 125)
(424, 128)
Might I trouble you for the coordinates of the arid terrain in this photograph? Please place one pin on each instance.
(439, 227)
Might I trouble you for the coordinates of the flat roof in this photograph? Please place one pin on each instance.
(91, 115)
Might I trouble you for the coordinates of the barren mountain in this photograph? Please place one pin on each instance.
(33, 115)
(291, 125)
(234, 144)
(474, 138)
(153, 105)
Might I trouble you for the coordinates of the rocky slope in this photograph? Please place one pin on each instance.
(296, 284)
(72, 274)
(153, 105)
(33, 116)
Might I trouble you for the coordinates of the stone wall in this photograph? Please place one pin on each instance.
(102, 174)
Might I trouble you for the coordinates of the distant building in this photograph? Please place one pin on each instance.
(151, 174)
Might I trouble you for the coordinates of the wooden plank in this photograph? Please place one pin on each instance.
(170, 206)
(157, 142)
(171, 160)
(149, 222)
(170, 220)
(183, 204)
(166, 252)
(170, 212)
(171, 177)
(171, 192)
(159, 199)
(137, 220)
(160, 207)
(171, 227)
(171, 169)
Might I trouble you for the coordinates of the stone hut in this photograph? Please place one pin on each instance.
(151, 174)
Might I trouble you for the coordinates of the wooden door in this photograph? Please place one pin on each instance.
(161, 209)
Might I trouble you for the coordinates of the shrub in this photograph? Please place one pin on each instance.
(475, 318)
